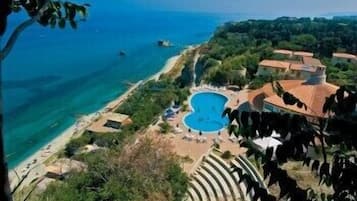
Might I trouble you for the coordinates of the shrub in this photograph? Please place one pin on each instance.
(75, 144)
(165, 127)
(227, 155)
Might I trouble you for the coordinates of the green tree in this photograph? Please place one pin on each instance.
(308, 42)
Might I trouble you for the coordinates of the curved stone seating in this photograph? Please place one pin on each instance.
(230, 176)
(204, 185)
(214, 185)
(232, 188)
(214, 181)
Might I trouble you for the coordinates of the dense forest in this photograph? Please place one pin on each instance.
(248, 42)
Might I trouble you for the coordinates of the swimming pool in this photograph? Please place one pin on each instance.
(206, 115)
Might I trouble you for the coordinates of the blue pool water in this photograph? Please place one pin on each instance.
(207, 108)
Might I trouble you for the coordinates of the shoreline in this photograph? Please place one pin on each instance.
(34, 165)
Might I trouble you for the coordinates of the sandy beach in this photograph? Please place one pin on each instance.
(34, 166)
(170, 63)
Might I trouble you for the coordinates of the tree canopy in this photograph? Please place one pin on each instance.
(248, 42)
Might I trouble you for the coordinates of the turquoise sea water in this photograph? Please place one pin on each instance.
(206, 113)
(54, 75)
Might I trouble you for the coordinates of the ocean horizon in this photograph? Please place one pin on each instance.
(53, 76)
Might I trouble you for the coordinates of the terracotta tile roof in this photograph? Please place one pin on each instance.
(313, 62)
(302, 67)
(256, 97)
(312, 95)
(304, 54)
(280, 51)
(344, 56)
(275, 64)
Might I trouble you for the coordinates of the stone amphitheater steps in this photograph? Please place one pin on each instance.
(232, 188)
(242, 185)
(200, 192)
(192, 195)
(220, 181)
(254, 171)
(214, 185)
(247, 167)
(201, 178)
(214, 181)
(233, 179)
(205, 186)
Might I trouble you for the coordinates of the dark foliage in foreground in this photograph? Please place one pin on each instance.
(298, 135)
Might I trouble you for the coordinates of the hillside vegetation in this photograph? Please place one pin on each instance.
(238, 45)
(121, 169)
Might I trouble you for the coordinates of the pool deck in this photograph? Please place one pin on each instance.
(196, 150)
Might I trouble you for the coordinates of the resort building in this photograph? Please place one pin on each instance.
(309, 67)
(269, 67)
(285, 53)
(300, 54)
(312, 92)
(343, 58)
(302, 67)
(109, 123)
(63, 166)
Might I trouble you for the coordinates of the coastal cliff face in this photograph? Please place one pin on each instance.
(187, 76)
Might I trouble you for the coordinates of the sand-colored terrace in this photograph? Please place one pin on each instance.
(193, 149)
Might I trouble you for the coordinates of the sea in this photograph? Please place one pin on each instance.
(53, 76)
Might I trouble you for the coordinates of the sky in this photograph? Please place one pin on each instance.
(272, 7)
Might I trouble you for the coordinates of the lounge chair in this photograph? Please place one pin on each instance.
(177, 130)
(204, 139)
(188, 137)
